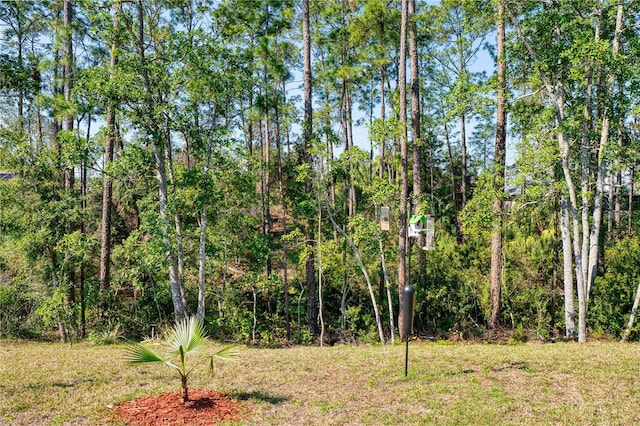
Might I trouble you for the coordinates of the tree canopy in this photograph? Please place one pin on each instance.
(229, 159)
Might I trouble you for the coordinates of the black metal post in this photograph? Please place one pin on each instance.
(406, 357)
(408, 303)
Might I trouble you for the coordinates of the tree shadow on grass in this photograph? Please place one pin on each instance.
(259, 396)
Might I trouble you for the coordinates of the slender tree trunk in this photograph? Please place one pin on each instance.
(107, 183)
(356, 253)
(267, 221)
(610, 200)
(454, 198)
(617, 203)
(312, 300)
(632, 317)
(159, 146)
(387, 286)
(202, 262)
(62, 329)
(202, 257)
(632, 176)
(266, 188)
(596, 220)
(499, 170)
(404, 166)
(83, 229)
(177, 292)
(319, 251)
(463, 161)
(307, 133)
(21, 89)
(567, 270)
(382, 119)
(283, 201)
(416, 133)
(68, 76)
(463, 126)
(177, 219)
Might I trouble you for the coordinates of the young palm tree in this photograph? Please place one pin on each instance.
(187, 337)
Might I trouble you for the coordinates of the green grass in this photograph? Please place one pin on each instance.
(563, 383)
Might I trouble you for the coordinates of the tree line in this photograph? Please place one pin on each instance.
(163, 159)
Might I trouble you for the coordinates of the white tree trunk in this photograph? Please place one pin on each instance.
(632, 317)
(356, 253)
(177, 292)
(569, 308)
(202, 262)
(601, 163)
(202, 259)
(387, 285)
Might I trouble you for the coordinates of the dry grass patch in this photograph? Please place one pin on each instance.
(564, 383)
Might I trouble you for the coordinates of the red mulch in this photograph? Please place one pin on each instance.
(205, 407)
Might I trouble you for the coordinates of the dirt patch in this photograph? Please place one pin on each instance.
(205, 407)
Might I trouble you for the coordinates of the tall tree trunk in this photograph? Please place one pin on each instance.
(499, 171)
(177, 290)
(596, 220)
(177, 219)
(387, 286)
(266, 189)
(266, 148)
(202, 263)
(463, 125)
(610, 200)
(404, 166)
(567, 273)
(348, 144)
(319, 254)
(632, 175)
(69, 174)
(617, 202)
(83, 229)
(159, 146)
(53, 265)
(283, 201)
(312, 295)
(416, 133)
(307, 132)
(202, 257)
(463, 161)
(382, 119)
(107, 183)
(452, 174)
(68, 76)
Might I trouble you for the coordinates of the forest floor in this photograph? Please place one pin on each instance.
(447, 384)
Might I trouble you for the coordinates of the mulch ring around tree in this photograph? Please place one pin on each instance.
(205, 407)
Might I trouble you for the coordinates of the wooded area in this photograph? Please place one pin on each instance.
(229, 159)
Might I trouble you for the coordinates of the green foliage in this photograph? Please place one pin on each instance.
(210, 89)
(17, 305)
(478, 217)
(111, 335)
(614, 291)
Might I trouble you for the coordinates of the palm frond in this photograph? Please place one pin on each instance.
(138, 354)
(188, 334)
(229, 353)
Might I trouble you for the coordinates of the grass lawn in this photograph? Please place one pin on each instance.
(461, 384)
